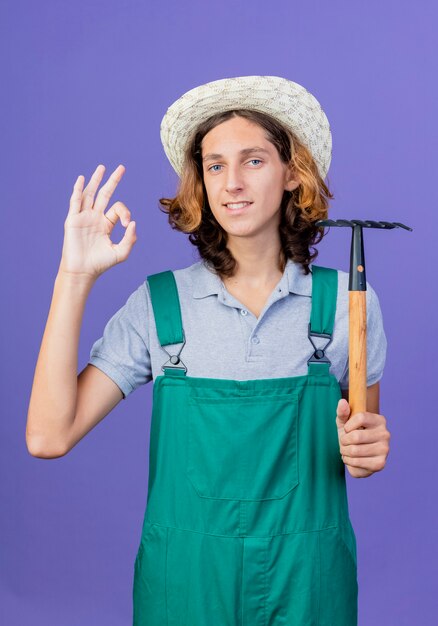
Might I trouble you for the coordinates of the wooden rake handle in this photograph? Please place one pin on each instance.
(357, 352)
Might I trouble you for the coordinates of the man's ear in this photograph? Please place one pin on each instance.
(292, 179)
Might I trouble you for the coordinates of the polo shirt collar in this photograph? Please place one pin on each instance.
(207, 283)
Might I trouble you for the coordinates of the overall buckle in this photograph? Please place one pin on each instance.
(175, 362)
(319, 354)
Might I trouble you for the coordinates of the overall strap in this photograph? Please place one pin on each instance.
(322, 318)
(168, 320)
(166, 307)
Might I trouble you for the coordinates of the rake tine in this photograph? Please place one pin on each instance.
(402, 225)
(388, 224)
(359, 222)
(344, 223)
(325, 223)
(373, 224)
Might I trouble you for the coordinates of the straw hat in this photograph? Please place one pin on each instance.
(288, 102)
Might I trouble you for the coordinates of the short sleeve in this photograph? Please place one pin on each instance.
(123, 350)
(376, 342)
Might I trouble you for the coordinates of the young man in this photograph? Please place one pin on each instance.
(247, 514)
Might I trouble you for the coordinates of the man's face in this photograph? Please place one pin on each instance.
(240, 164)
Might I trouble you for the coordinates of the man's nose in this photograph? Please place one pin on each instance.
(234, 179)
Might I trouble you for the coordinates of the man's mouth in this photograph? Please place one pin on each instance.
(237, 205)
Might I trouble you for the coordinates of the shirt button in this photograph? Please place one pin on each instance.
(255, 339)
(244, 312)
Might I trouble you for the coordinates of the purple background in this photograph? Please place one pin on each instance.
(87, 83)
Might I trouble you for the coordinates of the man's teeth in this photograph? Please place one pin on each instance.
(238, 205)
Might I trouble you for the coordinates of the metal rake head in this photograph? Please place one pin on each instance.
(364, 223)
(357, 279)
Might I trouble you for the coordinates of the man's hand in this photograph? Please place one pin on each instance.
(363, 440)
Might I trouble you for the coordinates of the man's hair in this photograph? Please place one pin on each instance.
(189, 211)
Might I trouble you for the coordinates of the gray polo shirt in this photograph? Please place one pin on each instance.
(225, 340)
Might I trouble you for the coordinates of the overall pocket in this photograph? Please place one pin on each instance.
(243, 447)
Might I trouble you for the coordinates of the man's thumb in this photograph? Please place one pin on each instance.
(343, 410)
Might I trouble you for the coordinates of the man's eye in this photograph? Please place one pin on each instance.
(217, 165)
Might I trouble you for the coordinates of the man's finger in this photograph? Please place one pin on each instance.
(361, 420)
(364, 449)
(343, 407)
(373, 463)
(76, 196)
(361, 436)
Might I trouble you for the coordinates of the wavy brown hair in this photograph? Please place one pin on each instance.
(189, 211)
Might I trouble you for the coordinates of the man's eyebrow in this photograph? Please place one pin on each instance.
(245, 151)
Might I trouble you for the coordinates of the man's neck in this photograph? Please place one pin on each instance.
(257, 267)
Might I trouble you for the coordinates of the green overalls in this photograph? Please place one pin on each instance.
(247, 521)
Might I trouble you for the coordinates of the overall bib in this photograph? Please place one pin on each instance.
(246, 521)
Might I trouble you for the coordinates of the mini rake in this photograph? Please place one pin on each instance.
(357, 393)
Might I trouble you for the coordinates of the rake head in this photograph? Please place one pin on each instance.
(365, 224)
(357, 278)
